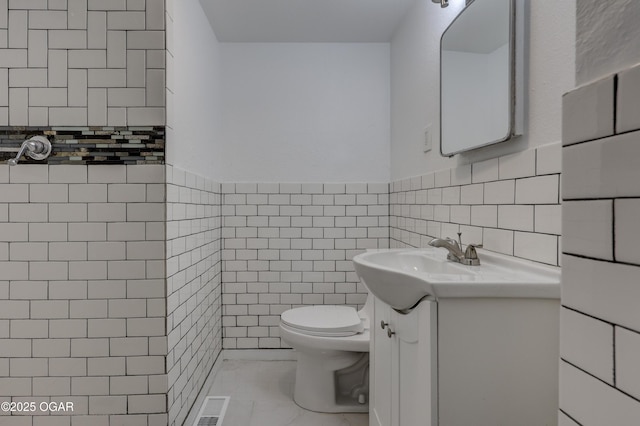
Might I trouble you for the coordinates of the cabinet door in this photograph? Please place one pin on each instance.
(380, 368)
(406, 362)
(403, 367)
(414, 361)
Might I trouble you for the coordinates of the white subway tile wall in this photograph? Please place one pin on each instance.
(588, 343)
(82, 296)
(589, 401)
(600, 325)
(588, 112)
(512, 206)
(79, 63)
(628, 100)
(194, 268)
(291, 244)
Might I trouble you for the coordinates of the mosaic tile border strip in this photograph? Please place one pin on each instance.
(89, 145)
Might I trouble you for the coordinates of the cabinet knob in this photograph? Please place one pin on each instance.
(390, 333)
(383, 324)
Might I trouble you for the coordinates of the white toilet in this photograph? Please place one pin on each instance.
(332, 374)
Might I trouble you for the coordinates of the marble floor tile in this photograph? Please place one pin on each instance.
(262, 395)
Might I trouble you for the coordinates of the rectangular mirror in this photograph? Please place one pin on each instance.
(481, 76)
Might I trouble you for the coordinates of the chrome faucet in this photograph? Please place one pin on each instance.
(468, 257)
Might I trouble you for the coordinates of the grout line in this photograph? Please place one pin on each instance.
(599, 198)
(614, 356)
(613, 229)
(581, 256)
(565, 413)
(587, 315)
(615, 104)
(599, 379)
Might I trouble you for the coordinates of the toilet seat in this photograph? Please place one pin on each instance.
(324, 321)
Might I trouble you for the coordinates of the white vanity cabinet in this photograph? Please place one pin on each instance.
(403, 366)
(465, 361)
(498, 361)
(482, 350)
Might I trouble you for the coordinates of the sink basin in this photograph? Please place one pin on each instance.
(401, 277)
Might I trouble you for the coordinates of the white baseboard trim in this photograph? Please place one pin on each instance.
(195, 409)
(260, 354)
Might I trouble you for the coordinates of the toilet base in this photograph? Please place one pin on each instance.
(333, 384)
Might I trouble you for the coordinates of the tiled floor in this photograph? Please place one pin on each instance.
(262, 394)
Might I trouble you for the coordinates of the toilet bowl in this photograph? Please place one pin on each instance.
(332, 344)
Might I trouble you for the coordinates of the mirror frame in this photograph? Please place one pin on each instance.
(517, 57)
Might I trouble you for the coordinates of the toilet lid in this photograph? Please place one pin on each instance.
(324, 320)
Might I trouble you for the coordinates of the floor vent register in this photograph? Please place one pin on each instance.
(212, 411)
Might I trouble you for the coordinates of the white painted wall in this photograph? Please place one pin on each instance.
(304, 112)
(607, 37)
(415, 100)
(193, 83)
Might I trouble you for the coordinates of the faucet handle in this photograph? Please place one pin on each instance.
(37, 147)
(470, 252)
